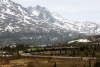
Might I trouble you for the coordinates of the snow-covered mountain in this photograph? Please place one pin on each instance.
(90, 28)
(38, 25)
(54, 18)
(15, 18)
(17, 24)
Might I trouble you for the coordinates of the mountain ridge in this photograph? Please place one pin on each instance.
(20, 24)
(58, 20)
(17, 24)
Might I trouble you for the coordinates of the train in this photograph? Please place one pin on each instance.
(50, 49)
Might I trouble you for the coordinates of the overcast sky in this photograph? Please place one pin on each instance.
(77, 10)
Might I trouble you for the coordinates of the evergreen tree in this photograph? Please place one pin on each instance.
(97, 64)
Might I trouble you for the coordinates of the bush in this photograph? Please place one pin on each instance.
(55, 65)
(97, 64)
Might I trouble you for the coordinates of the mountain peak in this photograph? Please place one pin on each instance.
(38, 6)
(89, 22)
(30, 8)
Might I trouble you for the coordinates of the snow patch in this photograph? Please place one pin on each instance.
(2, 16)
(9, 12)
(20, 8)
(35, 13)
(9, 28)
(26, 17)
(27, 22)
(80, 40)
(83, 40)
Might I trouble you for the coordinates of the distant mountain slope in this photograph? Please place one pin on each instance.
(17, 24)
(54, 18)
(39, 25)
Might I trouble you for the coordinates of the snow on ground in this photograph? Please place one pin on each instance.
(83, 40)
(79, 40)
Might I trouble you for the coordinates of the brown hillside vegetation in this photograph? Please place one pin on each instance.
(45, 62)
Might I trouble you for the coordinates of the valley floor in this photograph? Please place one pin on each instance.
(37, 61)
